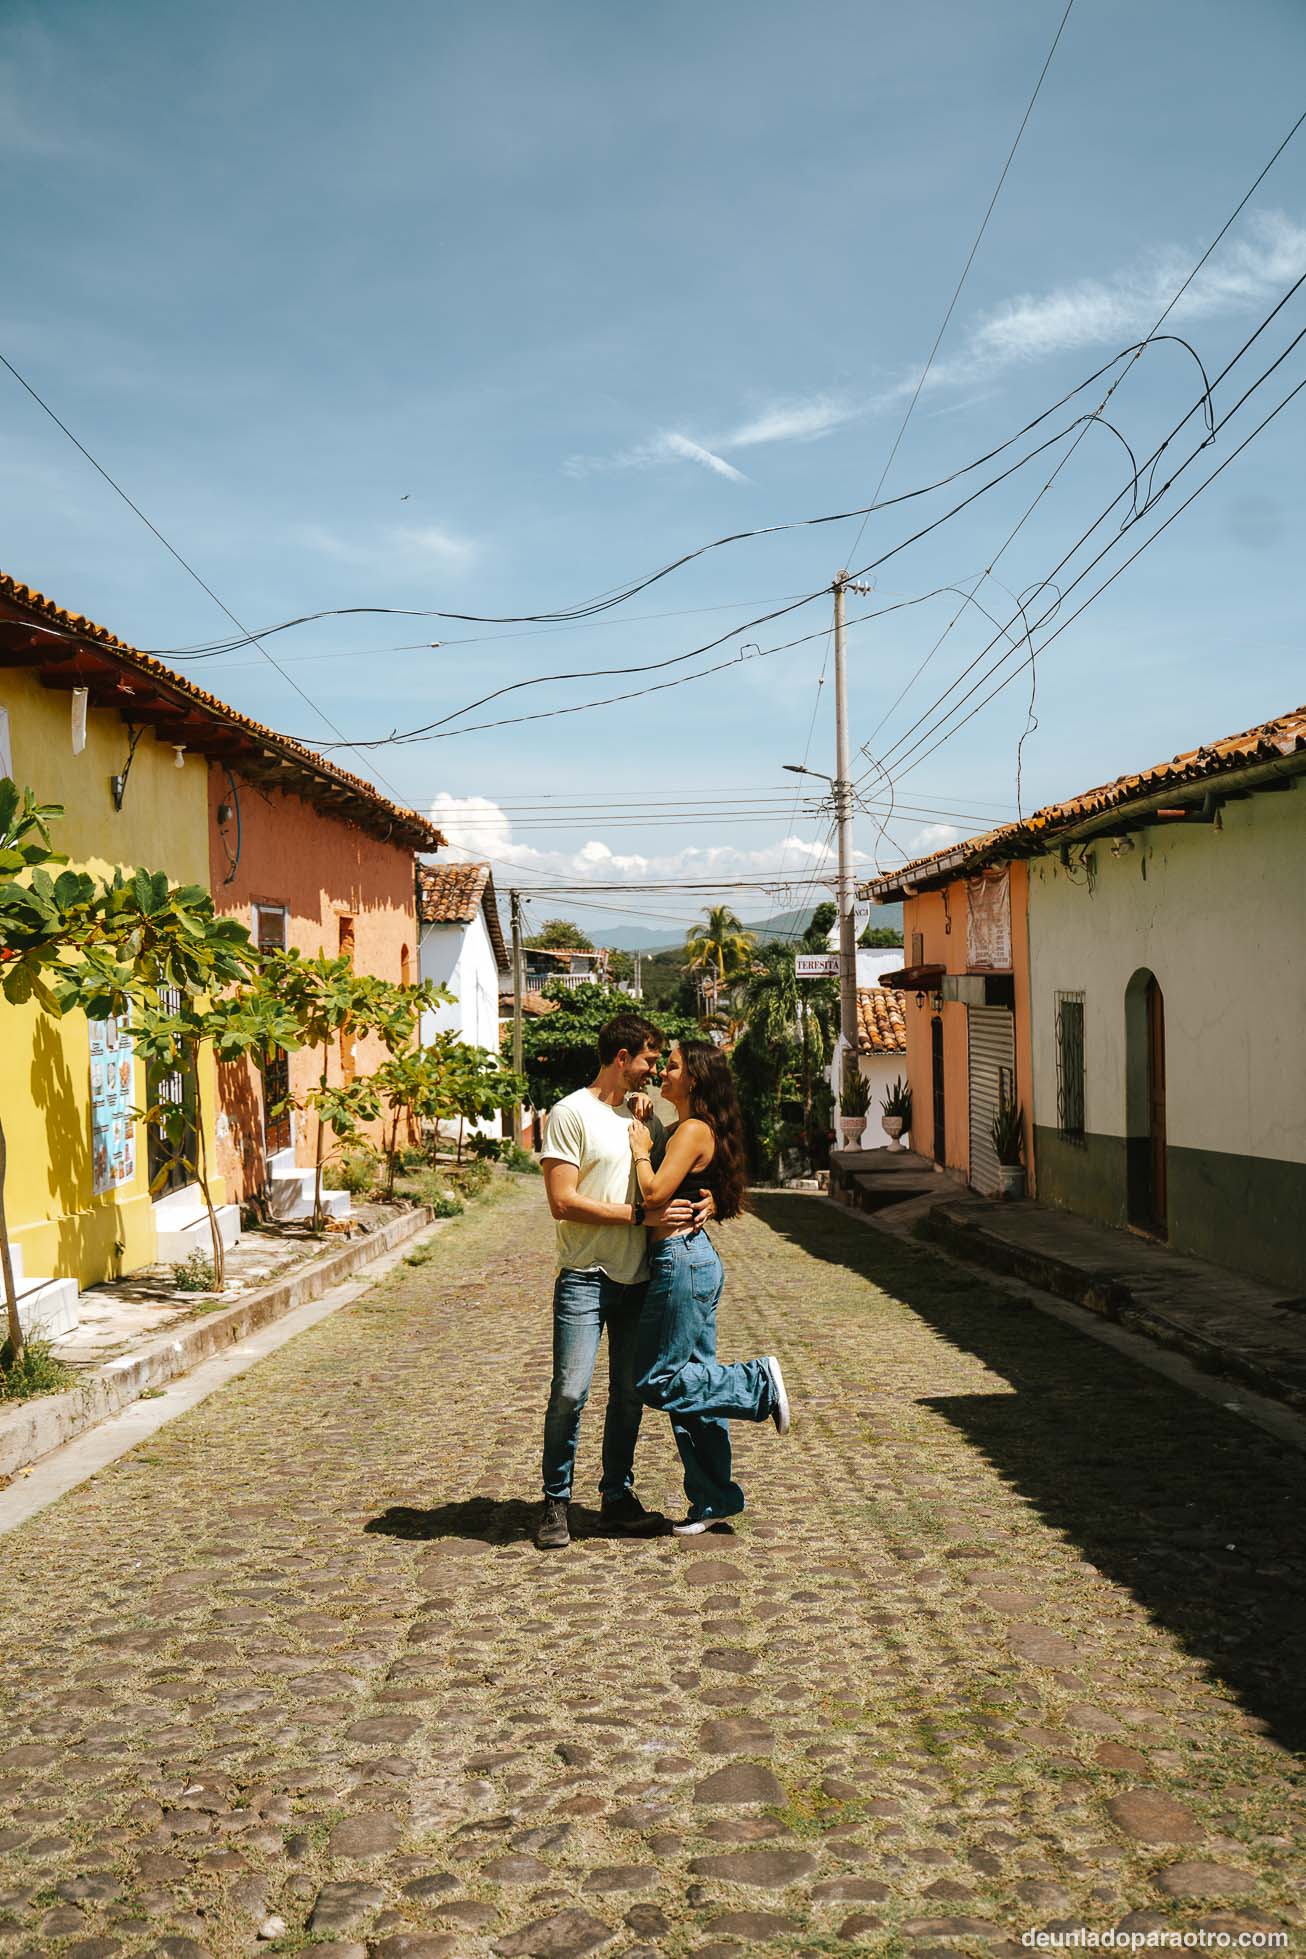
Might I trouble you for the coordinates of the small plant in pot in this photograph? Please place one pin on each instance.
(897, 1112)
(854, 1101)
(1009, 1146)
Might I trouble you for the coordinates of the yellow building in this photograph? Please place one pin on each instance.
(125, 745)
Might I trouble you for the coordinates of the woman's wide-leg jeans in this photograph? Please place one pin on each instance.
(676, 1370)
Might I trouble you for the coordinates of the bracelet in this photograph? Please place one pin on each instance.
(643, 1159)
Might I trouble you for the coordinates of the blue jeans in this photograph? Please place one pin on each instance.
(677, 1370)
(584, 1303)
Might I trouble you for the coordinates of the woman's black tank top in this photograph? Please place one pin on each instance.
(699, 1182)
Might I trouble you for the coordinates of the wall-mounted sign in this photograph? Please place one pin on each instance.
(988, 922)
(113, 1081)
(816, 965)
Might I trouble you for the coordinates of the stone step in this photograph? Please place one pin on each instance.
(290, 1196)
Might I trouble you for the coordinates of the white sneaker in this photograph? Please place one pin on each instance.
(780, 1413)
(692, 1526)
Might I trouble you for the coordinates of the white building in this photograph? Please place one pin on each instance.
(1167, 949)
(460, 945)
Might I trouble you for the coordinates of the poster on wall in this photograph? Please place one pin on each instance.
(988, 923)
(113, 1082)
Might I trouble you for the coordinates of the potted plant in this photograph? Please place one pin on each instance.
(897, 1112)
(1009, 1144)
(854, 1101)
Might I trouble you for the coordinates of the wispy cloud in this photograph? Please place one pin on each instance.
(694, 452)
(1027, 327)
(1095, 312)
(413, 545)
(795, 421)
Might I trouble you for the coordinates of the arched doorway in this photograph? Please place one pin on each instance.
(1145, 1114)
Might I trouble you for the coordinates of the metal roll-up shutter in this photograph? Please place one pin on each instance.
(992, 1069)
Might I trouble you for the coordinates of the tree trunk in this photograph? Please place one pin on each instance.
(807, 1086)
(392, 1164)
(317, 1162)
(202, 1172)
(12, 1320)
(461, 1121)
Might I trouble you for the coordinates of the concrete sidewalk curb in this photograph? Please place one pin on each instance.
(34, 1428)
(960, 1231)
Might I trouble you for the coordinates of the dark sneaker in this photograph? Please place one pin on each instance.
(626, 1513)
(552, 1533)
(780, 1407)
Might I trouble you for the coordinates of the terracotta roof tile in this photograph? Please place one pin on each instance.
(70, 635)
(1272, 741)
(881, 1020)
(452, 894)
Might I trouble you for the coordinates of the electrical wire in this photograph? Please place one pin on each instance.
(1147, 542)
(965, 270)
(1135, 355)
(253, 639)
(1111, 542)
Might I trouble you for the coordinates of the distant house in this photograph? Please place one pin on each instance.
(462, 947)
(563, 966)
(1154, 1097)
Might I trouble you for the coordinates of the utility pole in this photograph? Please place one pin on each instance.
(514, 900)
(639, 990)
(843, 808)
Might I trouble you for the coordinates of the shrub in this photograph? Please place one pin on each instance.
(855, 1093)
(195, 1274)
(354, 1171)
(447, 1205)
(516, 1158)
(473, 1178)
(36, 1371)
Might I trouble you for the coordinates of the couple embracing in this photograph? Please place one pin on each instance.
(630, 1200)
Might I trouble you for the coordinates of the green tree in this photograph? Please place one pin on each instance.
(823, 919)
(103, 947)
(560, 1049)
(880, 936)
(562, 935)
(719, 949)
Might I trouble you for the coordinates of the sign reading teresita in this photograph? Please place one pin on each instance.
(816, 965)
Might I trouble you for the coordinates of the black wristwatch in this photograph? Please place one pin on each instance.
(637, 1211)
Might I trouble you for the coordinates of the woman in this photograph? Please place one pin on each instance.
(676, 1366)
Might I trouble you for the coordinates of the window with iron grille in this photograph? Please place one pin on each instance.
(1070, 1066)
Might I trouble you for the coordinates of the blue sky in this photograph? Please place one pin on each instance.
(492, 309)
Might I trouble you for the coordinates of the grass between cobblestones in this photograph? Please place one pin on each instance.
(1010, 1636)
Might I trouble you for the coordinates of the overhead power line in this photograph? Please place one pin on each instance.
(965, 270)
(1112, 542)
(1135, 354)
(248, 638)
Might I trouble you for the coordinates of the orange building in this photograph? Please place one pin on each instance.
(312, 859)
(967, 1004)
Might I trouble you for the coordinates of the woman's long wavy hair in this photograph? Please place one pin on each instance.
(713, 1100)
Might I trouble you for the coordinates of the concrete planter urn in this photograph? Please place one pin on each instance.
(1011, 1180)
(850, 1131)
(892, 1127)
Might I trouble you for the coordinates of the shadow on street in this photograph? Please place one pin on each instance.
(485, 1520)
(1194, 1511)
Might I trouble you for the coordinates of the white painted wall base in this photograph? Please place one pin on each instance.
(46, 1307)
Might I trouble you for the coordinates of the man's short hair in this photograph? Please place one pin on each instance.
(629, 1031)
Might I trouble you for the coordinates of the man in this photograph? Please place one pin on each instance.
(589, 1178)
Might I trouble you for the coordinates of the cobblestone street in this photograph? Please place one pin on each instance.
(1011, 1636)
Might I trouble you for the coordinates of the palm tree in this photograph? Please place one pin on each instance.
(719, 949)
(783, 1012)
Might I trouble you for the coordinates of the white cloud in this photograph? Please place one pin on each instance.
(794, 421)
(694, 452)
(1094, 312)
(395, 544)
(1028, 327)
(476, 828)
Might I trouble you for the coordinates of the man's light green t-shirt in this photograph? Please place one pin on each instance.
(596, 1138)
